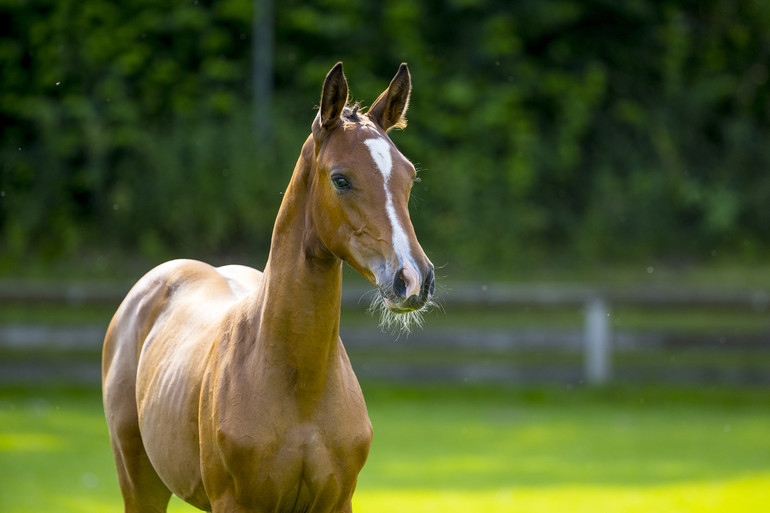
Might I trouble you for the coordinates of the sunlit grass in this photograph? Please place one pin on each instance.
(747, 494)
(498, 451)
(457, 449)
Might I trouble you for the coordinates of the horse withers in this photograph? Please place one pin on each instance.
(230, 387)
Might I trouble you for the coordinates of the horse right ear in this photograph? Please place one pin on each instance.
(334, 97)
(390, 107)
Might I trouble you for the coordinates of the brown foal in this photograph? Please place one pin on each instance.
(231, 388)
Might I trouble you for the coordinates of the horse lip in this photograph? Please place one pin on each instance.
(404, 306)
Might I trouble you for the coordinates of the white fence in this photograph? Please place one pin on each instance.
(597, 304)
(595, 339)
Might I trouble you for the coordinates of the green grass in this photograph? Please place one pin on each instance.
(456, 449)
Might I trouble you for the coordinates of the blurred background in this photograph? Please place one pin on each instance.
(561, 133)
(594, 193)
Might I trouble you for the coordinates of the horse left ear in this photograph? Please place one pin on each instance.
(390, 107)
(334, 97)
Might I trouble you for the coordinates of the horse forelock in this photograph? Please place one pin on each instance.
(349, 117)
(350, 113)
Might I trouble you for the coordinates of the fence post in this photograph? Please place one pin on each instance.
(597, 342)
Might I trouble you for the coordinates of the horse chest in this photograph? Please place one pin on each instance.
(283, 460)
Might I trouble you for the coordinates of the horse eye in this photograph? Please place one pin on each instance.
(340, 182)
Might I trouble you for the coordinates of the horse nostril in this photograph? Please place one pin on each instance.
(406, 283)
(399, 286)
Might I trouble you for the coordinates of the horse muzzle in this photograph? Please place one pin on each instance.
(408, 291)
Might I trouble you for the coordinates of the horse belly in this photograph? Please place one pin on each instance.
(168, 391)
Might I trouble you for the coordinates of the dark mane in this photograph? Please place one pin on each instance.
(350, 113)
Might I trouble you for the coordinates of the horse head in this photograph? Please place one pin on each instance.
(361, 189)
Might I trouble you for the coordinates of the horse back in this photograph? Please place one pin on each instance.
(165, 288)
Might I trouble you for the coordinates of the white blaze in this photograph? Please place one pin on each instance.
(380, 150)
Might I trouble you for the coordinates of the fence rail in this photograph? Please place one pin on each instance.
(462, 294)
(595, 339)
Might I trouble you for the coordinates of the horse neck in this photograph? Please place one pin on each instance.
(300, 303)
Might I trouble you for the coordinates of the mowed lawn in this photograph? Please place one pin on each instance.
(456, 449)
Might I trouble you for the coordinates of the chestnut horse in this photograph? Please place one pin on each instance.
(231, 388)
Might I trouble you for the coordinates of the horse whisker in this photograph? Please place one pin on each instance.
(398, 323)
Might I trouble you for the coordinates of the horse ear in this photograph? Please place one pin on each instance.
(334, 97)
(390, 107)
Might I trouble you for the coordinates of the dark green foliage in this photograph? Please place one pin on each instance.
(567, 130)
